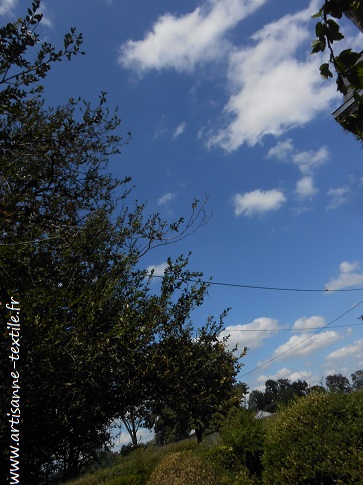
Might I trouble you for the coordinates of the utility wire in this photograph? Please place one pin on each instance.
(302, 341)
(287, 329)
(271, 288)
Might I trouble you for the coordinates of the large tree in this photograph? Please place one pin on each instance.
(199, 383)
(277, 392)
(92, 332)
(337, 383)
(357, 380)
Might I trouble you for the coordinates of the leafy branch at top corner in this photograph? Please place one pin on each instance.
(17, 71)
(348, 64)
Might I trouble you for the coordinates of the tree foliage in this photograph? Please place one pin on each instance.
(277, 392)
(94, 338)
(337, 383)
(347, 64)
(357, 380)
(245, 435)
(199, 384)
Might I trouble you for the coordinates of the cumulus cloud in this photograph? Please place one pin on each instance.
(286, 373)
(258, 202)
(350, 276)
(303, 346)
(182, 42)
(305, 188)
(166, 198)
(250, 335)
(306, 323)
(346, 353)
(273, 84)
(179, 130)
(272, 90)
(338, 197)
(6, 6)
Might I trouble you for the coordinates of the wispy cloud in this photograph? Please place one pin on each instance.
(252, 334)
(179, 130)
(307, 161)
(46, 20)
(338, 197)
(6, 6)
(283, 150)
(348, 277)
(183, 42)
(165, 199)
(258, 202)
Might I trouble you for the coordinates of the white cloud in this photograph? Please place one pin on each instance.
(123, 438)
(306, 161)
(307, 323)
(182, 42)
(158, 269)
(309, 160)
(46, 21)
(166, 198)
(345, 360)
(258, 202)
(347, 278)
(338, 197)
(272, 87)
(348, 351)
(303, 346)
(286, 373)
(305, 188)
(347, 267)
(250, 335)
(6, 6)
(282, 150)
(272, 90)
(179, 130)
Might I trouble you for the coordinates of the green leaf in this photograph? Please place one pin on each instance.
(348, 58)
(320, 30)
(325, 71)
(317, 15)
(318, 46)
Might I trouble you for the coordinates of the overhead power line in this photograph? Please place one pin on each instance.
(302, 341)
(288, 329)
(271, 288)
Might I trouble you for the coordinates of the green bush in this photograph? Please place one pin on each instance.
(245, 435)
(183, 468)
(316, 440)
(230, 469)
(133, 469)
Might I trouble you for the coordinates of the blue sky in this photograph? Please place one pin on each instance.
(223, 98)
